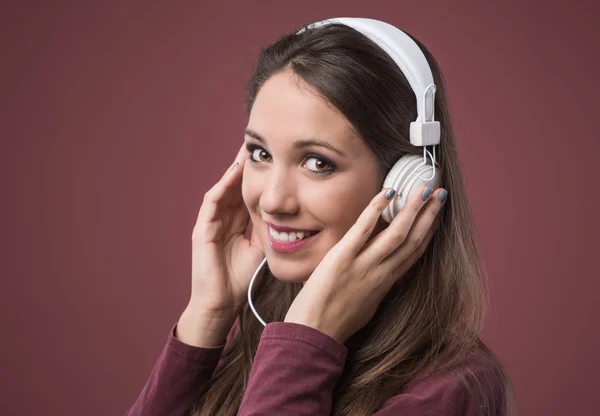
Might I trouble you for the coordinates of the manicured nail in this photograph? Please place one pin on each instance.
(234, 166)
(426, 194)
(443, 195)
(390, 194)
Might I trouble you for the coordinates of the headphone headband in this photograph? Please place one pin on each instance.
(424, 131)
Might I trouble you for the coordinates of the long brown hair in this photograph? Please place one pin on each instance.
(432, 318)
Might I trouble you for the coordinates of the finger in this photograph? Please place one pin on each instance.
(356, 237)
(388, 275)
(232, 177)
(396, 233)
(419, 237)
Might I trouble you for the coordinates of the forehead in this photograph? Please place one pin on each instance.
(288, 109)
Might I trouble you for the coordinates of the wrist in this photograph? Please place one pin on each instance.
(204, 328)
(197, 308)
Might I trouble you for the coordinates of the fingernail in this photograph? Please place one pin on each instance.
(234, 166)
(426, 194)
(390, 194)
(443, 195)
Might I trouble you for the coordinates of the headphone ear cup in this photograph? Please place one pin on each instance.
(397, 176)
(394, 179)
(416, 184)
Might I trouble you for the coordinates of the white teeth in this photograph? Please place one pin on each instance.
(289, 237)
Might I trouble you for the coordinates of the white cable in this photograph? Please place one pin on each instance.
(250, 291)
(432, 157)
(414, 172)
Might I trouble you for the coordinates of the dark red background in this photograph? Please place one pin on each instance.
(118, 116)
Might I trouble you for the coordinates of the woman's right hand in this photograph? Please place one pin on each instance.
(223, 259)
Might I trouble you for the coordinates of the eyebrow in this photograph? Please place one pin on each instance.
(300, 143)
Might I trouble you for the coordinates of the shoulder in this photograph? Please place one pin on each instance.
(456, 391)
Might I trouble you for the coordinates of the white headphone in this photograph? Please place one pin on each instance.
(405, 177)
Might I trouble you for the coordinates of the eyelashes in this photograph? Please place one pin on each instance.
(252, 150)
(257, 153)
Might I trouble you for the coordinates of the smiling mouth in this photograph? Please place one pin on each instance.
(290, 237)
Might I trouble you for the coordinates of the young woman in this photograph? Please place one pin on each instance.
(362, 317)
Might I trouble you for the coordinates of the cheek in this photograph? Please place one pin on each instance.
(343, 209)
(344, 205)
(336, 217)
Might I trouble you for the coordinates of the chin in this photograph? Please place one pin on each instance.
(289, 271)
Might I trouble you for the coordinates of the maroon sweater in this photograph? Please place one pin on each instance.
(295, 371)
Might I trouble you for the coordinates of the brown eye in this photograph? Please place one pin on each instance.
(318, 165)
(260, 155)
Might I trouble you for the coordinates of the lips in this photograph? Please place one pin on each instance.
(274, 238)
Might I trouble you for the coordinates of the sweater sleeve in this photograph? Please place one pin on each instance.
(295, 371)
(296, 368)
(179, 372)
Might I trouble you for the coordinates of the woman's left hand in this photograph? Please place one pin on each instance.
(345, 289)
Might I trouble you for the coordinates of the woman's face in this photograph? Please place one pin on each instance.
(306, 171)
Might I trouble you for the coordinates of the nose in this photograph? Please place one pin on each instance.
(279, 193)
